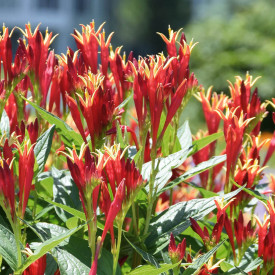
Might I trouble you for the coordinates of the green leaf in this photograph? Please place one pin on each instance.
(44, 185)
(105, 264)
(5, 124)
(68, 209)
(146, 256)
(254, 193)
(176, 219)
(248, 262)
(69, 136)
(125, 102)
(205, 193)
(43, 148)
(47, 246)
(121, 138)
(8, 247)
(69, 264)
(200, 143)
(184, 136)
(194, 171)
(197, 264)
(65, 192)
(225, 266)
(72, 255)
(51, 265)
(152, 270)
(164, 167)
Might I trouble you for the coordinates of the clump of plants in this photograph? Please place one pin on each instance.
(100, 173)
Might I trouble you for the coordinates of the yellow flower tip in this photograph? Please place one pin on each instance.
(169, 30)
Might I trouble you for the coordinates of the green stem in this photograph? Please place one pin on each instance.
(116, 254)
(34, 203)
(91, 227)
(17, 235)
(134, 217)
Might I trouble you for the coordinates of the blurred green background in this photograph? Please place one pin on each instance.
(234, 37)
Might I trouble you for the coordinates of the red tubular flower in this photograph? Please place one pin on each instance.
(176, 253)
(104, 52)
(114, 209)
(20, 133)
(180, 64)
(36, 268)
(7, 198)
(97, 107)
(117, 169)
(209, 268)
(40, 61)
(208, 241)
(249, 174)
(26, 165)
(152, 88)
(211, 102)
(33, 131)
(87, 43)
(262, 232)
(123, 129)
(6, 54)
(121, 71)
(229, 230)
(86, 173)
(249, 104)
(242, 233)
(234, 129)
(11, 110)
(66, 79)
(76, 116)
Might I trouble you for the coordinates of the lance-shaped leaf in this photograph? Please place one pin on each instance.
(69, 136)
(8, 247)
(164, 167)
(65, 192)
(146, 256)
(198, 263)
(184, 136)
(176, 219)
(43, 148)
(200, 143)
(195, 171)
(72, 255)
(152, 270)
(47, 246)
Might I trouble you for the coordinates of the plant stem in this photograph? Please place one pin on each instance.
(116, 254)
(134, 217)
(17, 235)
(34, 203)
(91, 227)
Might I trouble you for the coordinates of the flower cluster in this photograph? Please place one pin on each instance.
(100, 173)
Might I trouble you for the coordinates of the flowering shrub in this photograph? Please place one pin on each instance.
(99, 174)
